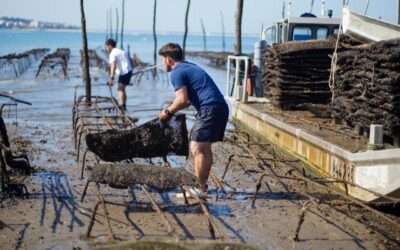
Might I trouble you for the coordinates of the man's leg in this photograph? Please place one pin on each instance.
(122, 95)
(202, 155)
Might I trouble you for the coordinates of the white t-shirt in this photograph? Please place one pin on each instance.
(122, 60)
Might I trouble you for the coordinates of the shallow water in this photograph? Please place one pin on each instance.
(52, 99)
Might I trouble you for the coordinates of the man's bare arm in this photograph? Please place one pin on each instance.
(181, 100)
(113, 67)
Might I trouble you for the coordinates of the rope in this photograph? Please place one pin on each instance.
(332, 76)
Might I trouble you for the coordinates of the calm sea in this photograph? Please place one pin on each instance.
(12, 41)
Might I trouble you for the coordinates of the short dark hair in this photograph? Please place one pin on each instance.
(111, 42)
(172, 50)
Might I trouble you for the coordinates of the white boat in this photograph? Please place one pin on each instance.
(374, 175)
(368, 28)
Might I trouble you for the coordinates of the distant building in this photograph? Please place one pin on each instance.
(34, 24)
(21, 23)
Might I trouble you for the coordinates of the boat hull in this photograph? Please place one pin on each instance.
(375, 171)
(367, 28)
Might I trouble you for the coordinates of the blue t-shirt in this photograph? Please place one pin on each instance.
(202, 90)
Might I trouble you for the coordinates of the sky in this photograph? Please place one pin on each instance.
(170, 14)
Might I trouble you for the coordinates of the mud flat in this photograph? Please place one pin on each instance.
(53, 216)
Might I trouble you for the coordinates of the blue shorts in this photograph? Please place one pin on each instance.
(125, 79)
(210, 124)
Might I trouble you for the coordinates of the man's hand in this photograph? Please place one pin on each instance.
(165, 116)
(110, 82)
(181, 101)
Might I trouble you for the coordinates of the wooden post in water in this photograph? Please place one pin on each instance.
(122, 24)
(312, 6)
(203, 29)
(155, 37)
(223, 31)
(366, 8)
(111, 23)
(85, 69)
(107, 21)
(186, 27)
(398, 12)
(238, 21)
(116, 25)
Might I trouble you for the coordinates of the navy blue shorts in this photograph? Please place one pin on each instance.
(125, 79)
(210, 124)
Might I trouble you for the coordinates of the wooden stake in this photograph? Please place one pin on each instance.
(86, 72)
(203, 29)
(398, 12)
(186, 27)
(155, 38)
(223, 31)
(116, 24)
(122, 25)
(111, 23)
(238, 21)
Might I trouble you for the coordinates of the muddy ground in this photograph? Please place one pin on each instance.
(52, 216)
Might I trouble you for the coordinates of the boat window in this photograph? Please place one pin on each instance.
(322, 33)
(302, 34)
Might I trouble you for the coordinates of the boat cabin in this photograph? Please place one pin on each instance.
(306, 27)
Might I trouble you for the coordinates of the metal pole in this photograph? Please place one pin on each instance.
(244, 84)
(236, 91)
(228, 76)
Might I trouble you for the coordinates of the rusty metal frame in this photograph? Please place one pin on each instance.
(97, 115)
(264, 168)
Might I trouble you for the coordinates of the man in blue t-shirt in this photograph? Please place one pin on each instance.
(193, 86)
